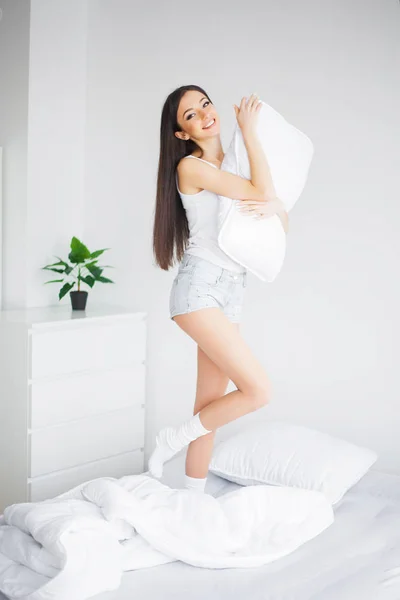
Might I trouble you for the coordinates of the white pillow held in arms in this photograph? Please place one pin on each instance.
(259, 245)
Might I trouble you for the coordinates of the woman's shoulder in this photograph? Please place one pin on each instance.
(184, 159)
(183, 177)
(185, 162)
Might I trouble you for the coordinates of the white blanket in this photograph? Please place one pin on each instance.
(79, 544)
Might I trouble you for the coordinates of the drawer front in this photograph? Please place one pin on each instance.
(74, 397)
(74, 349)
(131, 463)
(79, 442)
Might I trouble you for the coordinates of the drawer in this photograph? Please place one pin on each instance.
(83, 395)
(87, 347)
(79, 442)
(41, 488)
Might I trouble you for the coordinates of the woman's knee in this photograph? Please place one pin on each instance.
(259, 393)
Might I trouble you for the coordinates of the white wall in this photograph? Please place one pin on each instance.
(42, 129)
(56, 140)
(14, 73)
(327, 328)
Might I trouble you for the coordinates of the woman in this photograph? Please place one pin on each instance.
(207, 293)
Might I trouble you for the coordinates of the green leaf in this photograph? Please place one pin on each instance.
(55, 270)
(104, 280)
(94, 270)
(79, 252)
(98, 252)
(89, 280)
(62, 262)
(65, 289)
(57, 264)
(90, 264)
(55, 281)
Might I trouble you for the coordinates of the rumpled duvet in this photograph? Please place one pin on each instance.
(80, 543)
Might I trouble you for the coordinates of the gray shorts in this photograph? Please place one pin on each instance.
(200, 283)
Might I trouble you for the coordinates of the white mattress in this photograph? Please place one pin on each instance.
(356, 558)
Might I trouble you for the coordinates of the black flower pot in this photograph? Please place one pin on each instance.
(78, 300)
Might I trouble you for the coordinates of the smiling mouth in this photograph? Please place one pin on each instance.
(211, 124)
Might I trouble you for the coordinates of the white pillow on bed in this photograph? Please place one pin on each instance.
(285, 454)
(260, 245)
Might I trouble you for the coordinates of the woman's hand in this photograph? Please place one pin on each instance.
(260, 209)
(264, 210)
(247, 114)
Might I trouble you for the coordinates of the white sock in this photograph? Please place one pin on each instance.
(195, 483)
(172, 439)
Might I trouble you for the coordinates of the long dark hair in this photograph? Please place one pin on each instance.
(171, 229)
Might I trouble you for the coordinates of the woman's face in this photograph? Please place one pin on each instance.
(195, 112)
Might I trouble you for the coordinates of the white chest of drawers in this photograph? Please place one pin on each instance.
(72, 398)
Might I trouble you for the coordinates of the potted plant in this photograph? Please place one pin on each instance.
(84, 263)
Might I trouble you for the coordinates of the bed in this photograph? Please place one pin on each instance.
(358, 557)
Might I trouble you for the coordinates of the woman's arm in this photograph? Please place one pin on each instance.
(201, 176)
(260, 172)
(247, 118)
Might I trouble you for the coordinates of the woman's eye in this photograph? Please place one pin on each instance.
(205, 104)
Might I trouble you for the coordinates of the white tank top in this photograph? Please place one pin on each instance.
(202, 215)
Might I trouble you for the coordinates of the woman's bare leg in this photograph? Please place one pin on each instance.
(221, 341)
(211, 384)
